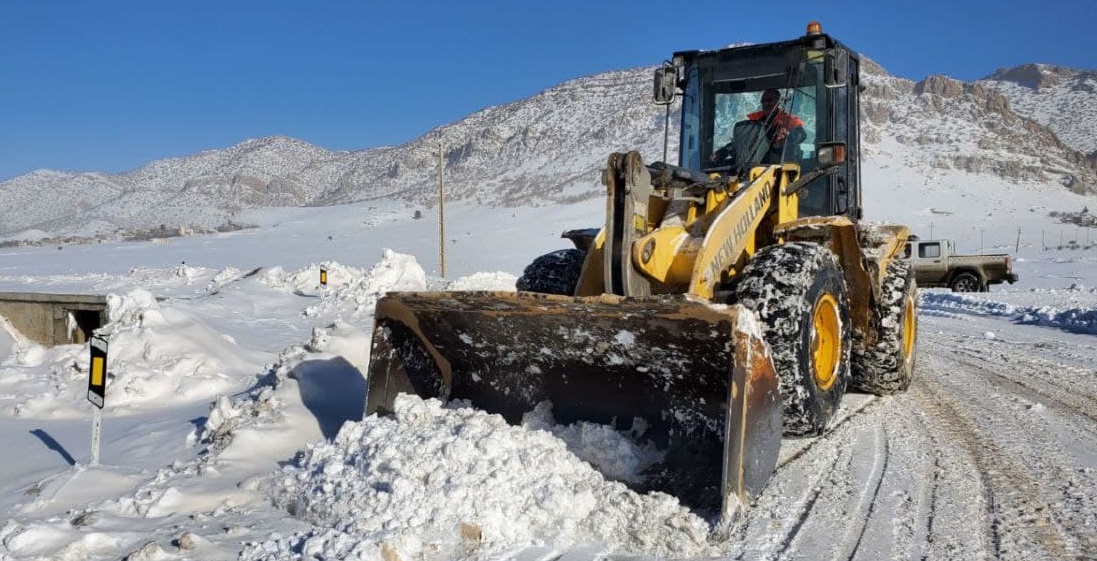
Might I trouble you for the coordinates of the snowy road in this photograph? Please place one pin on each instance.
(992, 454)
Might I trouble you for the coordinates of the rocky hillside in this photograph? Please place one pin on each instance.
(549, 149)
(1060, 97)
(945, 123)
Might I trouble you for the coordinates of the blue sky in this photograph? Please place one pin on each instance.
(111, 85)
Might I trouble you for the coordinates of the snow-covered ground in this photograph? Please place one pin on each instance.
(233, 423)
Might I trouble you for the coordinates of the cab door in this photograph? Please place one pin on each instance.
(930, 266)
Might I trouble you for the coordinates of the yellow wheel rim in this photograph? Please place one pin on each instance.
(826, 342)
(910, 328)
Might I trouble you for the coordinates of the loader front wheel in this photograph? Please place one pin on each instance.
(885, 365)
(798, 291)
(553, 273)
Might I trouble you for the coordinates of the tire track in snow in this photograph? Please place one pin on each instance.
(883, 453)
(805, 445)
(931, 494)
(786, 542)
(956, 459)
(1068, 399)
(896, 483)
(771, 527)
(867, 505)
(931, 516)
(839, 476)
(1012, 457)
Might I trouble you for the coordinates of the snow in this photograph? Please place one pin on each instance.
(374, 482)
(234, 429)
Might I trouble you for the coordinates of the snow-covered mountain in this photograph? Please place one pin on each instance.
(1060, 97)
(1032, 125)
(942, 123)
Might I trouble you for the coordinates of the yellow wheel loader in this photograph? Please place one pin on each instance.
(727, 301)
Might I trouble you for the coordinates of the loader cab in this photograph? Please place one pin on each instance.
(817, 81)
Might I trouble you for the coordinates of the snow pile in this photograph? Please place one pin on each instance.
(158, 351)
(225, 277)
(436, 483)
(258, 410)
(9, 337)
(484, 281)
(352, 289)
(961, 303)
(614, 455)
(334, 359)
(1078, 319)
(35, 379)
(176, 276)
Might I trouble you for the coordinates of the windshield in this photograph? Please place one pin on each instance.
(788, 124)
(754, 106)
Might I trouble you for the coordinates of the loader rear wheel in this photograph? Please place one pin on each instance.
(553, 273)
(799, 294)
(886, 365)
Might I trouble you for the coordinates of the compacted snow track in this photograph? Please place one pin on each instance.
(991, 454)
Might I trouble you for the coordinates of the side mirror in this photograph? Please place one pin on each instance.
(835, 68)
(666, 84)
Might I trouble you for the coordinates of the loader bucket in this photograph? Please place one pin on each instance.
(699, 375)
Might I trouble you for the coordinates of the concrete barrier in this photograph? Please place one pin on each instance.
(54, 319)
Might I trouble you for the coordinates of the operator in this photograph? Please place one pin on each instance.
(781, 127)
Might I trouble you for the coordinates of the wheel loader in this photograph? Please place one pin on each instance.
(729, 300)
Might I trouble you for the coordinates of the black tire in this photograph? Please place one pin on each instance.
(965, 282)
(553, 273)
(886, 365)
(798, 291)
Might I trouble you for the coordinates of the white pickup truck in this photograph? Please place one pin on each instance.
(936, 264)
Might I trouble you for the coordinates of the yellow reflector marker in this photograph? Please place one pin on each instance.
(97, 370)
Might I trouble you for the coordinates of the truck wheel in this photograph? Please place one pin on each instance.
(553, 273)
(886, 366)
(965, 282)
(798, 291)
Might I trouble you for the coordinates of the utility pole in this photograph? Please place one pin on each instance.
(1017, 248)
(441, 216)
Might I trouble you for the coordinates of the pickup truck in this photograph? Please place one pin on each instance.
(936, 264)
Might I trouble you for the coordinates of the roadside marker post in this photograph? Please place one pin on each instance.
(323, 276)
(97, 390)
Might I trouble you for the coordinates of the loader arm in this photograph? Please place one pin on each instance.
(662, 239)
(628, 190)
(735, 232)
